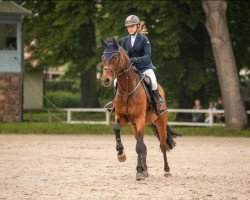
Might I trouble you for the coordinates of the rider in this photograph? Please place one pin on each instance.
(139, 51)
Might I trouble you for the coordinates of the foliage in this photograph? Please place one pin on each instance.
(181, 49)
(62, 99)
(62, 85)
(180, 44)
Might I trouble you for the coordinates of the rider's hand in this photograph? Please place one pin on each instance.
(134, 60)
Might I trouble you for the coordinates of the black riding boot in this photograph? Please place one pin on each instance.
(157, 103)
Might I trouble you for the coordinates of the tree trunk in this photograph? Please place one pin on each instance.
(235, 112)
(89, 98)
(88, 89)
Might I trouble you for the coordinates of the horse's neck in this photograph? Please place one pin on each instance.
(128, 80)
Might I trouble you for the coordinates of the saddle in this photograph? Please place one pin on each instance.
(146, 82)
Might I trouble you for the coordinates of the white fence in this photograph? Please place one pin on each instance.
(107, 118)
(71, 110)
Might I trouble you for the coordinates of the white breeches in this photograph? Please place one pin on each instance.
(151, 74)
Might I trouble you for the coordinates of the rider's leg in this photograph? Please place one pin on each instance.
(155, 92)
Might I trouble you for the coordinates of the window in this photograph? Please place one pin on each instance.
(8, 37)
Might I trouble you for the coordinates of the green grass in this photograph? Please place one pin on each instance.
(213, 131)
(63, 128)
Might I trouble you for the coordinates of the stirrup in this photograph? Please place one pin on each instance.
(163, 111)
(160, 112)
(107, 108)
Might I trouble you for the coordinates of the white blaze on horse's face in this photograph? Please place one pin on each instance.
(108, 72)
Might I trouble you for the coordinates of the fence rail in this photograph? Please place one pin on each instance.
(107, 121)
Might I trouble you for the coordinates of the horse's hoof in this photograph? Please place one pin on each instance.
(167, 174)
(146, 174)
(140, 176)
(122, 157)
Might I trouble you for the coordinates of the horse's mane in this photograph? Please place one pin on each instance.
(123, 51)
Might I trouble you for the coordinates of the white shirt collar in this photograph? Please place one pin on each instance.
(133, 37)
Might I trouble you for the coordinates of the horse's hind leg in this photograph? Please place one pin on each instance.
(119, 147)
(162, 130)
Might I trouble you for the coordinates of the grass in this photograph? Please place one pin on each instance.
(63, 128)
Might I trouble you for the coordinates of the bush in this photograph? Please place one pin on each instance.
(62, 85)
(62, 99)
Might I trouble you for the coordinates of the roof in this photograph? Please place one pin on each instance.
(10, 7)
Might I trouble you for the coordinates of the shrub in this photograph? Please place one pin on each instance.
(62, 99)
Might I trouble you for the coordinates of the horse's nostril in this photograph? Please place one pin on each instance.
(105, 82)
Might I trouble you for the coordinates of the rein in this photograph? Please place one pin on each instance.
(136, 87)
(116, 74)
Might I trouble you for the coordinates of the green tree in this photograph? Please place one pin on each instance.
(67, 31)
(64, 33)
(176, 32)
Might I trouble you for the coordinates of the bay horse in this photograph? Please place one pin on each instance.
(131, 105)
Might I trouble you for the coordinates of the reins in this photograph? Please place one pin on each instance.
(136, 87)
(116, 74)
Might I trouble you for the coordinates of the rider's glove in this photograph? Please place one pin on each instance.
(134, 60)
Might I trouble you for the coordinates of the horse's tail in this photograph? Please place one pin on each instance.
(171, 134)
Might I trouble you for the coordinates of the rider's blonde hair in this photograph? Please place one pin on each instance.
(142, 28)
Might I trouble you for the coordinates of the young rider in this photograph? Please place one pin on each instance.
(138, 48)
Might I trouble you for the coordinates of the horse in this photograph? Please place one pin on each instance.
(132, 106)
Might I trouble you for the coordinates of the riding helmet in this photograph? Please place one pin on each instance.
(131, 20)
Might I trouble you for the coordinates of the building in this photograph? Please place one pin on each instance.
(11, 61)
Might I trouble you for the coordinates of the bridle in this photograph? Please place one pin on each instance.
(117, 74)
(115, 69)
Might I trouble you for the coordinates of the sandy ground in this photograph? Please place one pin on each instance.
(86, 167)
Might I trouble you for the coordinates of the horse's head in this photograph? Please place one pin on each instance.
(110, 60)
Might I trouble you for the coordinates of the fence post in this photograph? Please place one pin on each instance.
(211, 118)
(68, 116)
(107, 118)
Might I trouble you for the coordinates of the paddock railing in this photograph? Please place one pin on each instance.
(107, 121)
(71, 110)
(211, 114)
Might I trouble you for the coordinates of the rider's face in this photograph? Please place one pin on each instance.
(132, 29)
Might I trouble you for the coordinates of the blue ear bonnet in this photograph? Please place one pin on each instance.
(109, 52)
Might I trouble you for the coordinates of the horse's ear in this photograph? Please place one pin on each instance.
(115, 43)
(104, 43)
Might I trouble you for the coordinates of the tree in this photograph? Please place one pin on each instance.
(64, 32)
(235, 112)
(179, 51)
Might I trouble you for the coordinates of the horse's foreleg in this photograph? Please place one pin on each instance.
(119, 147)
(141, 151)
